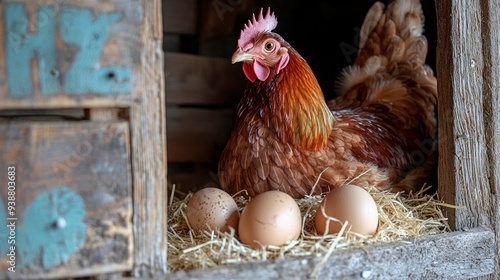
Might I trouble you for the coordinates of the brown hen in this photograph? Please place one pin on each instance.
(380, 131)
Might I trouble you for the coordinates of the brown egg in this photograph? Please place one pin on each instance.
(212, 208)
(270, 218)
(348, 203)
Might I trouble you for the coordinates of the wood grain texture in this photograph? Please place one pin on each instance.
(468, 84)
(99, 74)
(89, 159)
(192, 79)
(456, 255)
(148, 139)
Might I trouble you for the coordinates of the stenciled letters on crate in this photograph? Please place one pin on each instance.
(79, 28)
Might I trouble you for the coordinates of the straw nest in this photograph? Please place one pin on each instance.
(401, 217)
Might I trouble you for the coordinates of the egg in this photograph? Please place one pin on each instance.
(212, 208)
(348, 203)
(270, 218)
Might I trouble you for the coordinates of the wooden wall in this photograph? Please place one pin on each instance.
(469, 113)
(203, 87)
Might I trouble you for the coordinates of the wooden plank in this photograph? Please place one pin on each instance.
(192, 79)
(468, 84)
(179, 16)
(149, 168)
(68, 54)
(197, 135)
(218, 23)
(103, 113)
(71, 194)
(456, 255)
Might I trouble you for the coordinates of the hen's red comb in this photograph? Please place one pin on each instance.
(256, 26)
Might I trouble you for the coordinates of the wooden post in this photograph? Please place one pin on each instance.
(149, 162)
(468, 70)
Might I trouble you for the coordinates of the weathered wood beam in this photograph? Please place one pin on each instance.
(468, 84)
(147, 118)
(456, 255)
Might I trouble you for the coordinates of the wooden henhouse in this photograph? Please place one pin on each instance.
(99, 98)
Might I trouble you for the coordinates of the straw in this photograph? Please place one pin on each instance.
(402, 217)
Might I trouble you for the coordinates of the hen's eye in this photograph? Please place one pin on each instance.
(269, 46)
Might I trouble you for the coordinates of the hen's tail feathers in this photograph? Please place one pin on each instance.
(390, 68)
(395, 34)
(371, 20)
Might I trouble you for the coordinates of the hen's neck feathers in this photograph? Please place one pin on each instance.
(292, 104)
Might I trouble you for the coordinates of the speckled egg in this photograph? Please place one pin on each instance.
(347, 203)
(270, 218)
(212, 208)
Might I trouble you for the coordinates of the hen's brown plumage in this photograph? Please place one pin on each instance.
(380, 132)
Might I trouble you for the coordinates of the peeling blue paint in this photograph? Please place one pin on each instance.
(80, 28)
(52, 229)
(21, 47)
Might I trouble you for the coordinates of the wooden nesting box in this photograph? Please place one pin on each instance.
(469, 142)
(82, 139)
(88, 178)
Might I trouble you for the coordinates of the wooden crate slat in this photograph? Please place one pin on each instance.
(180, 16)
(193, 79)
(456, 255)
(75, 171)
(197, 135)
(468, 84)
(130, 33)
(67, 54)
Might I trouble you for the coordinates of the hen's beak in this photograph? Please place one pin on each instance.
(239, 55)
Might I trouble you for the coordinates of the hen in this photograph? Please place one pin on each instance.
(380, 131)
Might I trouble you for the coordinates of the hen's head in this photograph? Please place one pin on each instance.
(259, 49)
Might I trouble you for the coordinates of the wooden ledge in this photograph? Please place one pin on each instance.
(455, 255)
